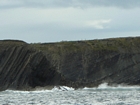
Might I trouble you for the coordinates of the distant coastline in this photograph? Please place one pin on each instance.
(76, 64)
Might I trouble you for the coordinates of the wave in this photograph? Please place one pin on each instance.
(39, 90)
(62, 88)
(105, 86)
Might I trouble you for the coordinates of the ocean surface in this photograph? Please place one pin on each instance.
(102, 95)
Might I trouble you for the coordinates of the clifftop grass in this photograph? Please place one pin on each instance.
(9, 43)
(112, 44)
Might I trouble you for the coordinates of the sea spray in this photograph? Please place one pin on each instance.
(101, 95)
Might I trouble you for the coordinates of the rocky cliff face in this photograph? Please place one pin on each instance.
(77, 64)
(22, 67)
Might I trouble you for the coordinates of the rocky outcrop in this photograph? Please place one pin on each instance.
(77, 64)
(24, 68)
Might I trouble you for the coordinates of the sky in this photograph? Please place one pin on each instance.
(36, 21)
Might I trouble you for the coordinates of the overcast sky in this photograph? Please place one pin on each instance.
(66, 20)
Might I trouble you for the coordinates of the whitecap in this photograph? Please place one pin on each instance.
(105, 86)
(62, 88)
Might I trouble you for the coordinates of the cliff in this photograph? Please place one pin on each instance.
(24, 68)
(77, 64)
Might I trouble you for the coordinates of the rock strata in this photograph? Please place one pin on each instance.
(24, 68)
(76, 64)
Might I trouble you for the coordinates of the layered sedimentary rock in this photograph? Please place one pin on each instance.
(22, 67)
(76, 64)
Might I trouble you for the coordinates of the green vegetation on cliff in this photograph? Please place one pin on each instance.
(8, 43)
(113, 44)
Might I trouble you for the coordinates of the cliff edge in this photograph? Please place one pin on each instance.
(76, 64)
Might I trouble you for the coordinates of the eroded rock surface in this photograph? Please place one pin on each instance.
(24, 68)
(76, 64)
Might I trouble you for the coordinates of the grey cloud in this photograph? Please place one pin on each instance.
(70, 3)
(112, 3)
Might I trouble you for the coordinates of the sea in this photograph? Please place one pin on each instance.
(101, 95)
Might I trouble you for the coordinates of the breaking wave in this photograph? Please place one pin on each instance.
(105, 86)
(63, 95)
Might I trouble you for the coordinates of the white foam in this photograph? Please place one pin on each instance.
(62, 95)
(62, 88)
(41, 90)
(103, 86)
(16, 91)
(106, 86)
(123, 86)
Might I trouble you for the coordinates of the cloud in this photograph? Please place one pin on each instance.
(70, 3)
(98, 24)
(111, 3)
(10, 4)
(46, 20)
